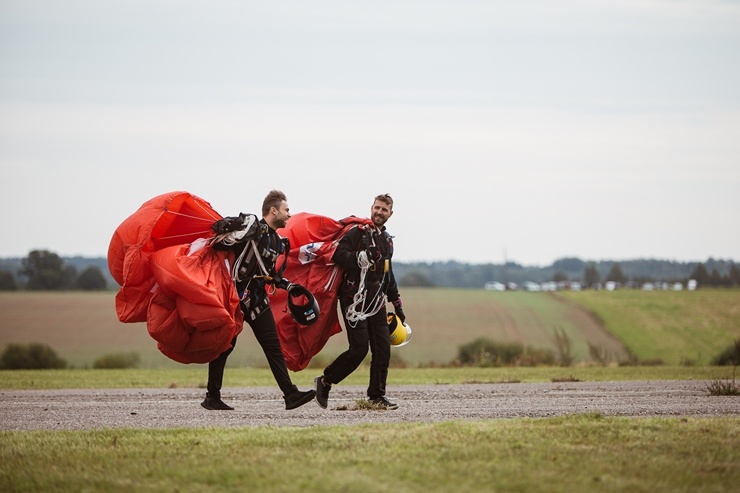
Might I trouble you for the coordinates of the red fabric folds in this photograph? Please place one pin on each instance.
(186, 297)
(194, 312)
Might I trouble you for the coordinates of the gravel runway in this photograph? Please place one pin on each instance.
(173, 408)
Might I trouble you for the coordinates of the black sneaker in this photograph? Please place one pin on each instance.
(322, 391)
(384, 403)
(298, 398)
(215, 404)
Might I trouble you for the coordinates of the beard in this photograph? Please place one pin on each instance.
(281, 223)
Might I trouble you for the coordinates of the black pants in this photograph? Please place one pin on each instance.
(373, 333)
(266, 333)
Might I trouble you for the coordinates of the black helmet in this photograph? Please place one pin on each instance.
(306, 313)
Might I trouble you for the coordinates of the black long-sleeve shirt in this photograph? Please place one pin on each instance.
(358, 239)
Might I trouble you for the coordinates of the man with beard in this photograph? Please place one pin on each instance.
(367, 284)
(256, 246)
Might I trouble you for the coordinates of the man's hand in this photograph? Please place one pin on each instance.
(401, 315)
(281, 283)
(398, 306)
(368, 257)
(373, 254)
(228, 224)
(232, 230)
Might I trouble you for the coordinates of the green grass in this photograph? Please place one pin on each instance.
(569, 454)
(195, 376)
(676, 327)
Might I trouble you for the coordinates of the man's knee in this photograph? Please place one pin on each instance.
(358, 353)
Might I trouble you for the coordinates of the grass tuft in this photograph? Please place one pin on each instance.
(723, 387)
(569, 378)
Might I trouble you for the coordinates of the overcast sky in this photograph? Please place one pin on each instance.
(524, 131)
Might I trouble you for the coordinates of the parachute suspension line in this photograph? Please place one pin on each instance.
(205, 232)
(238, 263)
(213, 214)
(265, 272)
(248, 252)
(331, 279)
(191, 217)
(365, 310)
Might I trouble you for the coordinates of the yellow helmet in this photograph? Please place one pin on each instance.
(400, 332)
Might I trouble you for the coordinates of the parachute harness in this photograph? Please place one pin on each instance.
(245, 234)
(250, 250)
(360, 308)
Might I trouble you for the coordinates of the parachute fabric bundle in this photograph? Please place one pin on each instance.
(195, 313)
(183, 293)
(313, 240)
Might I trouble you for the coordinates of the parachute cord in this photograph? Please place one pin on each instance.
(355, 315)
(259, 258)
(214, 215)
(238, 263)
(240, 260)
(205, 232)
(210, 220)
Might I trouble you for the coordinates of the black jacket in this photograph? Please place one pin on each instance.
(356, 240)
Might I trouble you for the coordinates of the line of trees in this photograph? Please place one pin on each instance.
(46, 271)
(700, 274)
(704, 277)
(711, 273)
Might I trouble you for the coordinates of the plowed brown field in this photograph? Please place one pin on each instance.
(81, 327)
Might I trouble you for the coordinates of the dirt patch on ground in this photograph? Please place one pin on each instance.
(173, 408)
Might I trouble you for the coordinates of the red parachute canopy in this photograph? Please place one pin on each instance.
(313, 240)
(183, 292)
(173, 218)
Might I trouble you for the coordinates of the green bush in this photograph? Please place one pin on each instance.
(536, 357)
(91, 279)
(34, 356)
(564, 345)
(117, 360)
(8, 281)
(730, 356)
(486, 353)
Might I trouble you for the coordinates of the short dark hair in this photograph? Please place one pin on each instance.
(385, 197)
(273, 199)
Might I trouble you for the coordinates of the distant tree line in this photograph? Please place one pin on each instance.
(699, 273)
(45, 270)
(712, 273)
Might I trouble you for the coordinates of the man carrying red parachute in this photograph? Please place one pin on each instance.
(368, 283)
(195, 296)
(256, 246)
